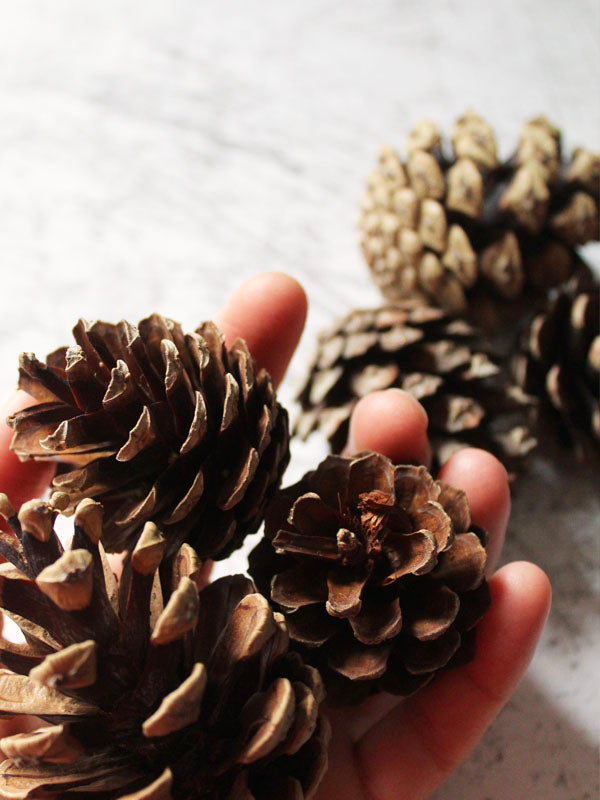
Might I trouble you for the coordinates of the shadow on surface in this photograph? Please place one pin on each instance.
(555, 523)
(532, 752)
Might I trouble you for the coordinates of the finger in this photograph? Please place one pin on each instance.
(418, 744)
(269, 312)
(342, 779)
(485, 482)
(20, 480)
(393, 423)
(203, 577)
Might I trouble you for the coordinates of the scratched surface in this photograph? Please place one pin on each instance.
(153, 155)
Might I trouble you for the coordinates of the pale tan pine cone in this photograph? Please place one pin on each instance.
(465, 231)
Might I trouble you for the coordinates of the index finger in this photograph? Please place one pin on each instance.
(268, 311)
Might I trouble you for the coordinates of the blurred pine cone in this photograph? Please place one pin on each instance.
(379, 572)
(559, 362)
(151, 691)
(461, 226)
(440, 361)
(158, 425)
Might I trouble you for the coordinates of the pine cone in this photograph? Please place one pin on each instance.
(560, 363)
(451, 229)
(440, 361)
(153, 690)
(158, 425)
(378, 570)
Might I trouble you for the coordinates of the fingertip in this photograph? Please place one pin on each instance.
(284, 289)
(524, 585)
(393, 423)
(202, 579)
(508, 634)
(15, 402)
(268, 311)
(485, 481)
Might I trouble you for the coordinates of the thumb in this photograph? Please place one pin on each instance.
(20, 480)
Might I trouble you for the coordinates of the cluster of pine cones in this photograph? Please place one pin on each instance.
(171, 447)
(492, 315)
(369, 577)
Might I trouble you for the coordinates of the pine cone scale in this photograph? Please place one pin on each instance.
(311, 626)
(45, 386)
(309, 512)
(462, 567)
(432, 517)
(345, 586)
(429, 616)
(410, 554)
(428, 656)
(378, 620)
(358, 663)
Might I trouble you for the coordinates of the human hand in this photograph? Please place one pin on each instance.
(387, 748)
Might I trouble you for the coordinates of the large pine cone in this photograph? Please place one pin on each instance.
(378, 570)
(559, 362)
(440, 361)
(158, 425)
(152, 690)
(456, 226)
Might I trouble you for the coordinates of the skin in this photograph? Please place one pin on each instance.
(388, 748)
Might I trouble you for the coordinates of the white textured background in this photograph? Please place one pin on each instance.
(152, 155)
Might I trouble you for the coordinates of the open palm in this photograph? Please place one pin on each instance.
(388, 748)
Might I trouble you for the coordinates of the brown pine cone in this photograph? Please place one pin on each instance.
(379, 572)
(149, 691)
(442, 362)
(467, 231)
(559, 362)
(177, 429)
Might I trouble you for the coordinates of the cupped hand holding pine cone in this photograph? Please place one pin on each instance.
(388, 747)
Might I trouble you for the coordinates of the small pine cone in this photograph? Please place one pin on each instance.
(559, 362)
(379, 572)
(157, 425)
(151, 690)
(439, 361)
(451, 228)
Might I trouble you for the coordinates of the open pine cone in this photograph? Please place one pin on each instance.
(559, 362)
(158, 425)
(440, 361)
(452, 227)
(379, 572)
(152, 690)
